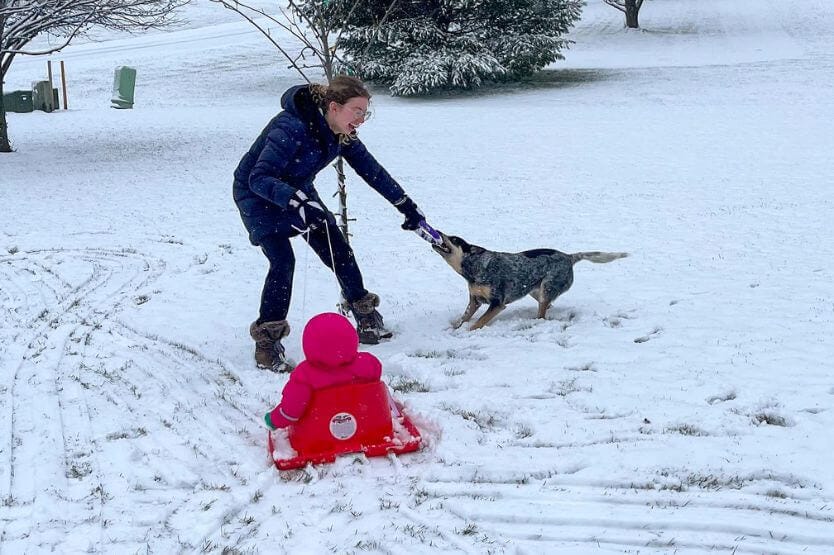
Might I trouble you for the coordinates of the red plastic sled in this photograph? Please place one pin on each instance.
(355, 418)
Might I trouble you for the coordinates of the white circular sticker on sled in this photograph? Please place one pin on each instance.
(343, 425)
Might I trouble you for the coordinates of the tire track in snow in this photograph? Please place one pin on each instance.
(92, 399)
(17, 297)
(48, 423)
(542, 500)
(32, 331)
(185, 406)
(563, 512)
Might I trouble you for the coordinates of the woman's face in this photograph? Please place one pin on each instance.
(346, 118)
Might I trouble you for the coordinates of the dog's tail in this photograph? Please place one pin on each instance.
(597, 257)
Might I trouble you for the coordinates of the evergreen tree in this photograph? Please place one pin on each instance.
(419, 46)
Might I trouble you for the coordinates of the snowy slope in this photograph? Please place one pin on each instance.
(675, 401)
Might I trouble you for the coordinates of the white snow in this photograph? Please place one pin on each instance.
(679, 400)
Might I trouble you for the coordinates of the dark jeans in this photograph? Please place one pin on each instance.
(277, 291)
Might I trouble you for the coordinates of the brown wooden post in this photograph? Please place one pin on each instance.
(49, 74)
(64, 83)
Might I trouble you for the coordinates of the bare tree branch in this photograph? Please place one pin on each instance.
(22, 21)
(619, 4)
(79, 27)
(239, 8)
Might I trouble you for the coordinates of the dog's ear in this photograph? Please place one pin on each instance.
(475, 249)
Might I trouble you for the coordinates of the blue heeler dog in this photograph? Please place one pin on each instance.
(499, 278)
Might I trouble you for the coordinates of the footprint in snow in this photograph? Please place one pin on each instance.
(654, 333)
(616, 320)
(728, 396)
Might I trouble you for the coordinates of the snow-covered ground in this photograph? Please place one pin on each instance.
(679, 400)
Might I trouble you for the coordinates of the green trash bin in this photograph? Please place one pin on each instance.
(19, 102)
(43, 96)
(124, 84)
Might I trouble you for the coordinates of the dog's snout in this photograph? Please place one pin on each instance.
(442, 248)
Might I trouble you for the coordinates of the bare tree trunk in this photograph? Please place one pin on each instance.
(632, 10)
(342, 192)
(328, 62)
(5, 145)
(342, 306)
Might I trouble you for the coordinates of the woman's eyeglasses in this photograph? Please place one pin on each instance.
(359, 113)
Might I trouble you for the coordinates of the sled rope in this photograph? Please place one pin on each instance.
(330, 247)
(306, 235)
(304, 281)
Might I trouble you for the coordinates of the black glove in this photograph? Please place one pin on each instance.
(311, 213)
(413, 215)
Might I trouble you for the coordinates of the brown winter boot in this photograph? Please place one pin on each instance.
(369, 323)
(269, 353)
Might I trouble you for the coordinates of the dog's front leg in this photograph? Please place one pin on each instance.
(471, 308)
(493, 310)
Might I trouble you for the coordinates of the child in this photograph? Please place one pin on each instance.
(330, 343)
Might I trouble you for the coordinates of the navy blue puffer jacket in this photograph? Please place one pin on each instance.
(296, 145)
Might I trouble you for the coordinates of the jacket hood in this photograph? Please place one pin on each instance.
(299, 102)
(330, 339)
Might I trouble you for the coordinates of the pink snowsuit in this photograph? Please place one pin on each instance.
(331, 346)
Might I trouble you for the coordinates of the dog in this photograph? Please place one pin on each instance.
(499, 278)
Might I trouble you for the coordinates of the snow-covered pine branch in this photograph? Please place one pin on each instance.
(423, 46)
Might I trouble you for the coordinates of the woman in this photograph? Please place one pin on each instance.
(274, 191)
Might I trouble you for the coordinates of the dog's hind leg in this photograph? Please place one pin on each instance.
(471, 308)
(544, 301)
(550, 289)
(494, 308)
